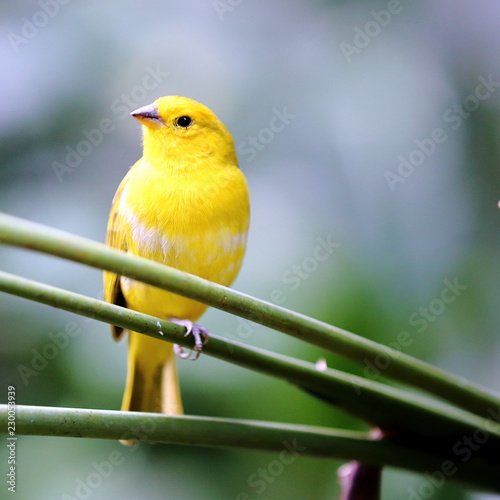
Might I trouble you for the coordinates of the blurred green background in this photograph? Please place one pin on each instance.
(388, 148)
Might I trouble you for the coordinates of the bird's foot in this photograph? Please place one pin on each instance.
(200, 335)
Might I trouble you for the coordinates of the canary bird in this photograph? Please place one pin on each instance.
(185, 204)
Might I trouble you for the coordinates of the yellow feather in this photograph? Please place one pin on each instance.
(185, 204)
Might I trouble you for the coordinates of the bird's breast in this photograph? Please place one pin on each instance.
(201, 231)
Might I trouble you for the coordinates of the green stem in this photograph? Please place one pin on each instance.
(385, 406)
(292, 440)
(404, 368)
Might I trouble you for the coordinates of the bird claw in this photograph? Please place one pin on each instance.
(200, 335)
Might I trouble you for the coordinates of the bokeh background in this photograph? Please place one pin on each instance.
(363, 87)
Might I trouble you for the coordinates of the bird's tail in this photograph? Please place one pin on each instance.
(152, 384)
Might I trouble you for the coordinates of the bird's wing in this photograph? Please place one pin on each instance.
(115, 238)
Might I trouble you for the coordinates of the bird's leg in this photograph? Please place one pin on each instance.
(199, 333)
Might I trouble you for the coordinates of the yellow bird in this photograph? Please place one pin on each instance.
(184, 204)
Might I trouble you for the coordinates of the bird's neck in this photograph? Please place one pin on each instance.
(186, 156)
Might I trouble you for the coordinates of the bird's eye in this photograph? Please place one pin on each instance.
(184, 121)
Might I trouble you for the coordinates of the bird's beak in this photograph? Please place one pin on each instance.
(149, 116)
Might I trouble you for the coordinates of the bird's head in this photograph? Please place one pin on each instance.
(182, 129)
